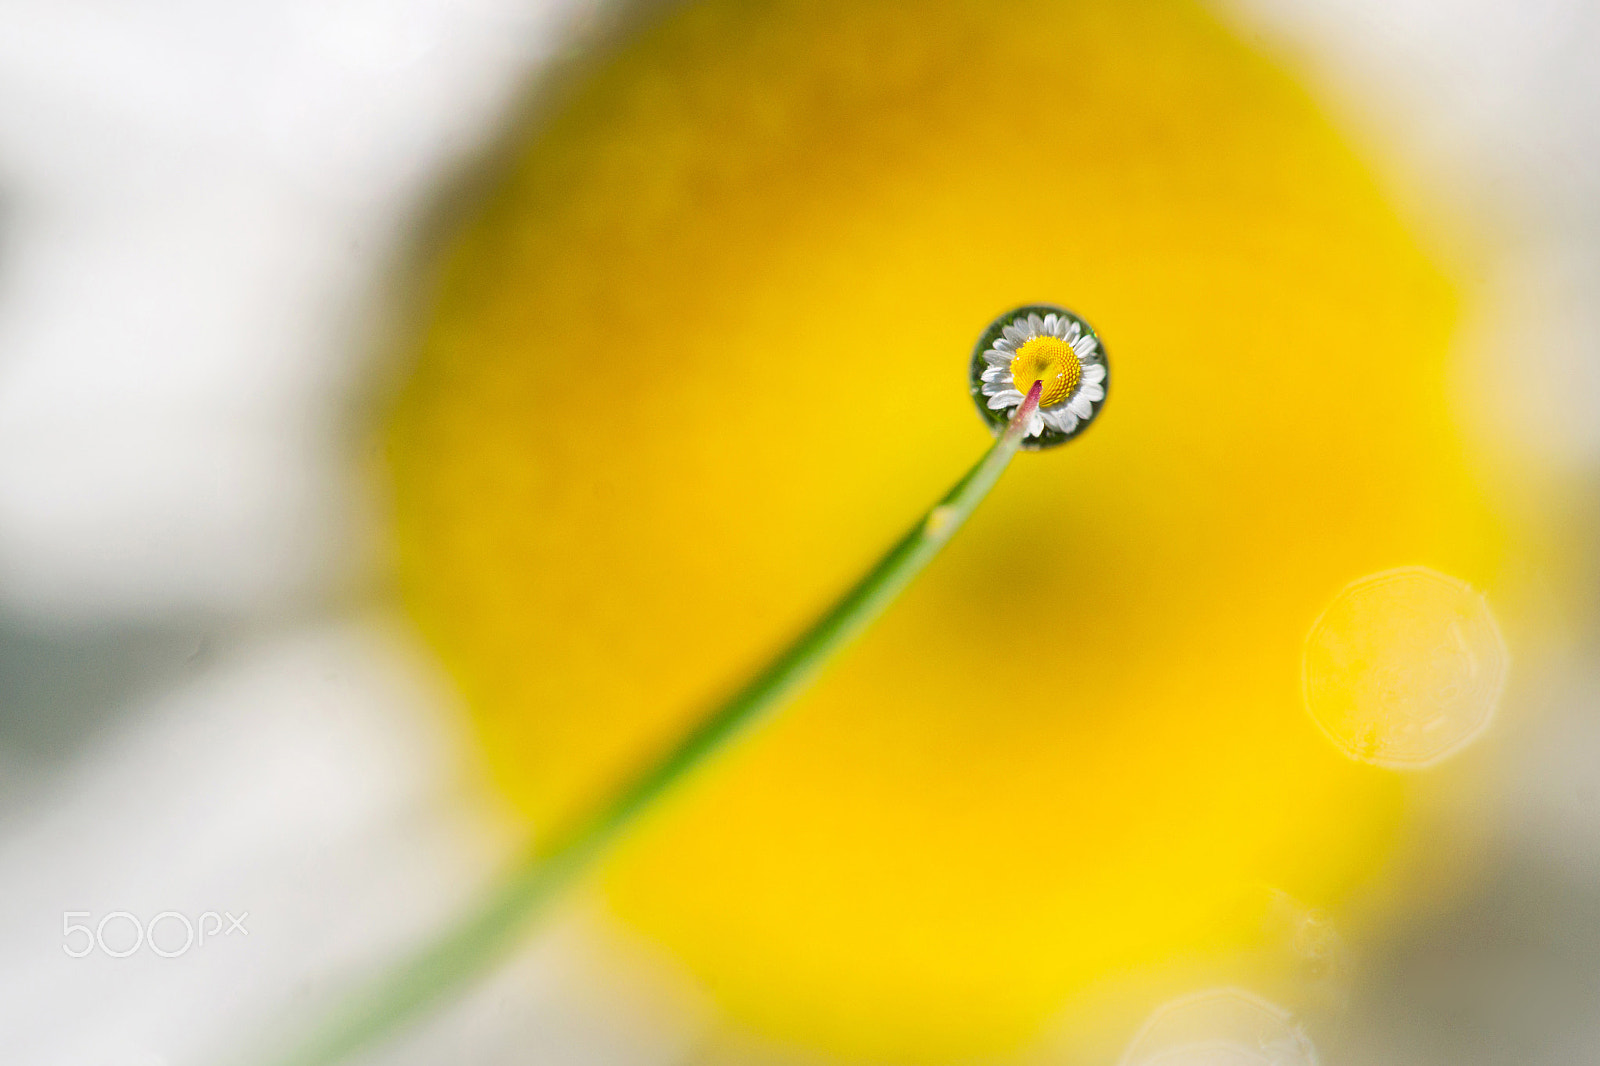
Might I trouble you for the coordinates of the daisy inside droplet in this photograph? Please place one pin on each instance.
(1048, 344)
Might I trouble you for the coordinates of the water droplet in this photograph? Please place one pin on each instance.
(1404, 668)
(1046, 343)
(941, 521)
(1220, 1027)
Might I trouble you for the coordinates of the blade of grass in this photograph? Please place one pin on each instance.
(489, 929)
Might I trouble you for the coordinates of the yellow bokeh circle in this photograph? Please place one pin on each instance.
(1404, 668)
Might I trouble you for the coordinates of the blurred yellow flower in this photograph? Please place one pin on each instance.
(1078, 744)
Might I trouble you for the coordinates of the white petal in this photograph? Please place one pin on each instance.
(1050, 323)
(1014, 334)
(1061, 419)
(1035, 425)
(1080, 406)
(1072, 332)
(1009, 398)
(1003, 345)
(997, 359)
(1094, 373)
(1093, 392)
(1083, 346)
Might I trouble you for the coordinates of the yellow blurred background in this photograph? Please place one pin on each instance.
(701, 357)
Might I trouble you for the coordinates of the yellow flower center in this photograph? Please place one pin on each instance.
(1050, 360)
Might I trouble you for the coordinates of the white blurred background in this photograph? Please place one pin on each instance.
(206, 703)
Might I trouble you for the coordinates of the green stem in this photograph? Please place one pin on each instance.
(468, 948)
